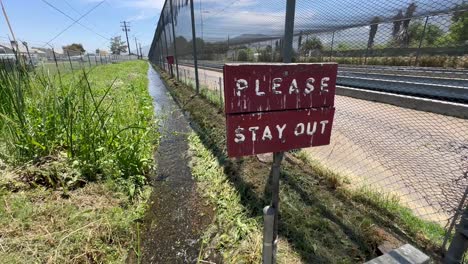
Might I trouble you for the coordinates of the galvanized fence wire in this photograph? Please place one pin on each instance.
(52, 61)
(412, 52)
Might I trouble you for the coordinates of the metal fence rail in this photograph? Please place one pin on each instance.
(416, 51)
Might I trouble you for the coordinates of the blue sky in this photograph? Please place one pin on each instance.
(36, 22)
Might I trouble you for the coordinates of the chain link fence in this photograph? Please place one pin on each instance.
(402, 98)
(51, 61)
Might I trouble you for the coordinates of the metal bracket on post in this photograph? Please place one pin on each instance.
(268, 223)
(275, 182)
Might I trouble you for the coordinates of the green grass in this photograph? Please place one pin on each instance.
(96, 224)
(75, 151)
(100, 119)
(388, 203)
(234, 234)
(320, 218)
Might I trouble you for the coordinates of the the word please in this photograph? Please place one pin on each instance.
(308, 86)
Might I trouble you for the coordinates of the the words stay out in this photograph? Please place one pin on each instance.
(267, 133)
(278, 107)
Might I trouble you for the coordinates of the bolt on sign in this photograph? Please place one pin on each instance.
(278, 107)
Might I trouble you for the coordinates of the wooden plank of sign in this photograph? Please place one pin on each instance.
(270, 87)
(255, 133)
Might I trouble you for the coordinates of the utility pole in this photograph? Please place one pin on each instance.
(126, 28)
(136, 47)
(141, 53)
(9, 25)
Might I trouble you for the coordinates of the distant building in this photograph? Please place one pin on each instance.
(6, 48)
(47, 53)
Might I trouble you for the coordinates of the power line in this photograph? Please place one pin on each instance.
(126, 29)
(74, 21)
(79, 13)
(8, 22)
(70, 17)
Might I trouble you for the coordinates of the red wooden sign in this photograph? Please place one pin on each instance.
(256, 133)
(170, 59)
(278, 107)
(269, 87)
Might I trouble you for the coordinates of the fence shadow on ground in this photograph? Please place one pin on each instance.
(320, 222)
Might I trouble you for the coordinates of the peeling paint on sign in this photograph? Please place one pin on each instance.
(270, 87)
(278, 107)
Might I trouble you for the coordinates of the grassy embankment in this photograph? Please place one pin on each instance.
(322, 220)
(75, 150)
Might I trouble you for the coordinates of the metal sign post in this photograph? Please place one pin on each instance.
(277, 107)
(274, 108)
(170, 61)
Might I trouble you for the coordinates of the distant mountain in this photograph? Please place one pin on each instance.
(247, 38)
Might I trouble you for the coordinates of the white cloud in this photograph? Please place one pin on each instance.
(145, 4)
(137, 4)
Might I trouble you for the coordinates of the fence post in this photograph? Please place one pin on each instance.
(331, 47)
(89, 61)
(174, 41)
(194, 44)
(420, 41)
(56, 63)
(165, 41)
(289, 31)
(459, 243)
(71, 65)
(29, 54)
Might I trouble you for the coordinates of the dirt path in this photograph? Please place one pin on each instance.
(177, 215)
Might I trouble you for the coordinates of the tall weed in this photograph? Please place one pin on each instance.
(101, 118)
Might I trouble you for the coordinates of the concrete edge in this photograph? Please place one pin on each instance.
(405, 101)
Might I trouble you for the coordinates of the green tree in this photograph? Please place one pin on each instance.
(313, 44)
(182, 46)
(117, 46)
(265, 54)
(343, 47)
(403, 37)
(75, 48)
(242, 55)
(416, 32)
(200, 45)
(397, 20)
(373, 31)
(459, 28)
